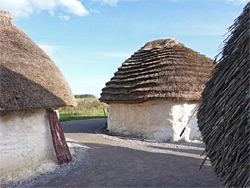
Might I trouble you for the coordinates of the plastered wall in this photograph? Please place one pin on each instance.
(25, 145)
(158, 120)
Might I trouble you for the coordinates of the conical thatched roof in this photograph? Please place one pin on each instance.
(162, 69)
(224, 116)
(28, 77)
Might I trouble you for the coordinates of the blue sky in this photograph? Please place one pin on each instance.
(89, 39)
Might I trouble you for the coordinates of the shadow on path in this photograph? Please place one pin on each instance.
(83, 126)
(115, 166)
(193, 151)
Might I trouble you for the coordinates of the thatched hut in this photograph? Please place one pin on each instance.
(155, 93)
(30, 85)
(224, 116)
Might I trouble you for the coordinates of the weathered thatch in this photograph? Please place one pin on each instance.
(162, 69)
(224, 116)
(29, 79)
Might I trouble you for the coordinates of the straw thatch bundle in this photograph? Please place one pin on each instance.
(28, 77)
(162, 69)
(224, 116)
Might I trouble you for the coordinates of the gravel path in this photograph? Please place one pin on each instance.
(106, 161)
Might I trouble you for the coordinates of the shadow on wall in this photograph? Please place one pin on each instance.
(25, 137)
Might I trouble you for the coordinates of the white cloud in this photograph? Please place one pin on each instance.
(51, 13)
(108, 2)
(45, 4)
(48, 49)
(19, 8)
(24, 8)
(95, 11)
(74, 7)
(64, 17)
(238, 2)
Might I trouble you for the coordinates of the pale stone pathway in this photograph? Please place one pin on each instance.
(113, 162)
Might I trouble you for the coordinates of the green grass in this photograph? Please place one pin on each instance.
(63, 118)
(82, 113)
(87, 108)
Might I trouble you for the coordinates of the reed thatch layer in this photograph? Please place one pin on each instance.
(20, 57)
(224, 116)
(162, 69)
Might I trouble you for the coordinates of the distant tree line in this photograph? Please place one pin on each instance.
(84, 96)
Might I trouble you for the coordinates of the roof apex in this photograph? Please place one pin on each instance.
(161, 43)
(5, 14)
(29, 79)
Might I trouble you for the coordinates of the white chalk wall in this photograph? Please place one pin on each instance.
(158, 120)
(26, 147)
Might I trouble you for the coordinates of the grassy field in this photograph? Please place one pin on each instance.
(87, 108)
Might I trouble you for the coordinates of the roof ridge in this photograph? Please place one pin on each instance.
(5, 14)
(161, 43)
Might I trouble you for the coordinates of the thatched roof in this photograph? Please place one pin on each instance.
(224, 116)
(162, 69)
(29, 79)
